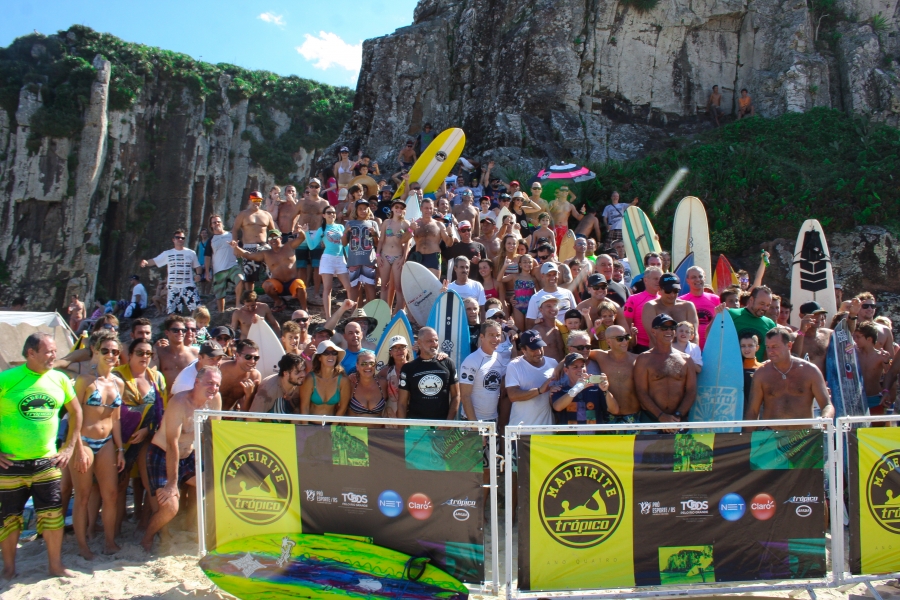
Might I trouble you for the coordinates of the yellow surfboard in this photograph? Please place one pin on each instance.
(567, 247)
(437, 161)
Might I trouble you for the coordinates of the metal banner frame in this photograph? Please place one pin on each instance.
(484, 428)
(513, 433)
(838, 547)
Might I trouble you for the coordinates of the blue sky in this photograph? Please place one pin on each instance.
(310, 38)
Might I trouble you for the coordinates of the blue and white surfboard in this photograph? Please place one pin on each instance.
(448, 318)
(720, 385)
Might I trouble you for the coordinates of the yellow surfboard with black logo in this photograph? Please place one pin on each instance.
(433, 166)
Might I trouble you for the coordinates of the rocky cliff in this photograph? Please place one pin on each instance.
(608, 79)
(107, 147)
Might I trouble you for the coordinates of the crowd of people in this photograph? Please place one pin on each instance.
(575, 341)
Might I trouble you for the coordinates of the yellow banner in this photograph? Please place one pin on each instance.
(256, 489)
(581, 519)
(879, 493)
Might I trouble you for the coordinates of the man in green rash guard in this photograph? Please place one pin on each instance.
(30, 466)
(753, 318)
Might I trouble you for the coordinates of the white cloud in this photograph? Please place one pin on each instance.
(272, 18)
(329, 50)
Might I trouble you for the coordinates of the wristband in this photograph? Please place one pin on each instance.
(853, 318)
(885, 392)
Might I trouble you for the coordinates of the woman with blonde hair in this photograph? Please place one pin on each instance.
(393, 246)
(327, 389)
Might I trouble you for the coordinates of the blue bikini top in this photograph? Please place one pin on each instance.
(94, 400)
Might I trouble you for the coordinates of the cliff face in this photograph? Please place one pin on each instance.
(107, 147)
(602, 80)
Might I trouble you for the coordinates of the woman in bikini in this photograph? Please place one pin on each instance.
(327, 390)
(343, 168)
(506, 268)
(393, 244)
(369, 394)
(484, 275)
(399, 355)
(523, 289)
(98, 450)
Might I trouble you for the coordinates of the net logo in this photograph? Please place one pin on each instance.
(419, 506)
(763, 507)
(883, 491)
(732, 507)
(390, 503)
(256, 485)
(581, 503)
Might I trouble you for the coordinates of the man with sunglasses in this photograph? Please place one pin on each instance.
(664, 378)
(311, 209)
(616, 292)
(599, 288)
(669, 303)
(429, 387)
(250, 227)
(429, 234)
(183, 271)
(281, 261)
(634, 308)
(613, 216)
(240, 378)
(288, 210)
(537, 201)
(704, 302)
(251, 312)
(175, 355)
(866, 314)
(406, 158)
(211, 355)
(221, 265)
(225, 338)
(811, 342)
(618, 364)
(301, 318)
(561, 208)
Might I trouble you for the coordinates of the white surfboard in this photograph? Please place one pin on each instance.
(413, 211)
(380, 311)
(270, 348)
(690, 234)
(812, 278)
(448, 318)
(420, 289)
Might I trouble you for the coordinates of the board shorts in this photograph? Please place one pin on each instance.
(432, 261)
(362, 274)
(332, 265)
(307, 257)
(581, 236)
(178, 297)
(156, 468)
(560, 234)
(624, 420)
(291, 286)
(613, 235)
(233, 275)
(874, 401)
(38, 479)
(253, 270)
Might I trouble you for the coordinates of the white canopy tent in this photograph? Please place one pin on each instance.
(16, 326)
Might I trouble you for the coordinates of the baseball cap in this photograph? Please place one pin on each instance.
(397, 340)
(547, 299)
(493, 312)
(547, 267)
(464, 225)
(398, 201)
(514, 182)
(811, 308)
(532, 339)
(572, 314)
(273, 233)
(316, 181)
(320, 327)
(662, 319)
(255, 195)
(571, 357)
(596, 279)
(490, 218)
(211, 348)
(220, 331)
(135, 278)
(504, 196)
(669, 282)
(345, 149)
(362, 201)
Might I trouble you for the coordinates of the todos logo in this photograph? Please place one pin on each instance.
(763, 507)
(883, 491)
(419, 506)
(581, 503)
(732, 507)
(256, 485)
(390, 503)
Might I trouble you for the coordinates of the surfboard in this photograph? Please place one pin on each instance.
(381, 312)
(812, 278)
(690, 234)
(294, 565)
(270, 348)
(724, 276)
(433, 166)
(720, 385)
(399, 325)
(843, 375)
(640, 238)
(413, 210)
(567, 247)
(448, 318)
(504, 212)
(420, 289)
(681, 270)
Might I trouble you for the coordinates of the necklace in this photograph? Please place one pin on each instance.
(784, 374)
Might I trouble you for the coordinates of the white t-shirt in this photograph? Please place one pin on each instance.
(222, 253)
(180, 264)
(185, 380)
(693, 350)
(471, 289)
(566, 302)
(139, 290)
(521, 373)
(484, 373)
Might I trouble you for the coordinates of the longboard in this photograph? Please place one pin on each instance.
(640, 238)
(724, 276)
(690, 234)
(812, 278)
(420, 289)
(843, 376)
(294, 565)
(720, 385)
(399, 325)
(381, 312)
(567, 247)
(448, 318)
(270, 348)
(433, 166)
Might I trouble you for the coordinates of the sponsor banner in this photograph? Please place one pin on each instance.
(874, 506)
(650, 510)
(417, 491)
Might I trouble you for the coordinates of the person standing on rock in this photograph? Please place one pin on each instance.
(343, 168)
(811, 342)
(669, 303)
(561, 209)
(714, 106)
(181, 286)
(221, 265)
(76, 312)
(311, 207)
(745, 105)
(250, 227)
(289, 209)
(428, 234)
(425, 137)
(613, 215)
(664, 378)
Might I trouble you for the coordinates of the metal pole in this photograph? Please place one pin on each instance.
(510, 434)
(199, 419)
(837, 504)
(495, 526)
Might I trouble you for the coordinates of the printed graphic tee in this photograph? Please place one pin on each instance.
(29, 411)
(428, 383)
(180, 266)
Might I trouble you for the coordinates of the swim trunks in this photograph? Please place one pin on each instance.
(156, 468)
(432, 261)
(38, 479)
(232, 275)
(253, 270)
(179, 297)
(291, 286)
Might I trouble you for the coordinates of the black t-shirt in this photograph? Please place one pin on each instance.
(383, 210)
(470, 250)
(428, 383)
(617, 293)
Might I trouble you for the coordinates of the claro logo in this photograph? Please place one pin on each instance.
(762, 507)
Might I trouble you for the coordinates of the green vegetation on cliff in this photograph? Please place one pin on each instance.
(761, 178)
(60, 66)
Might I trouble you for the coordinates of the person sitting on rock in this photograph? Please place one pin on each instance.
(745, 105)
(407, 155)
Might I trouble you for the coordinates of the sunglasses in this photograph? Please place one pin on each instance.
(115, 328)
(191, 329)
(868, 306)
(368, 363)
(600, 286)
(315, 185)
(581, 348)
(301, 320)
(178, 237)
(666, 327)
(330, 353)
(622, 338)
(223, 338)
(180, 330)
(330, 212)
(108, 351)
(144, 353)
(673, 291)
(251, 357)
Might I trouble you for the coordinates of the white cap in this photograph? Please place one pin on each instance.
(547, 267)
(546, 299)
(315, 180)
(398, 339)
(491, 312)
(342, 195)
(518, 195)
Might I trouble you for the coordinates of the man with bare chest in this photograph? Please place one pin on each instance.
(311, 207)
(618, 364)
(664, 378)
(785, 386)
(281, 262)
(174, 356)
(250, 227)
(560, 210)
(251, 312)
(812, 338)
(288, 212)
(669, 303)
(428, 234)
(873, 364)
(240, 379)
(465, 210)
(863, 307)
